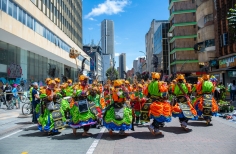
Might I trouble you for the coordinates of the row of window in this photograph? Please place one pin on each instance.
(68, 19)
(21, 15)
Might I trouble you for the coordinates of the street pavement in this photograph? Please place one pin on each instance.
(24, 138)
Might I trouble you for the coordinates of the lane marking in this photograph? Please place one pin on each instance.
(95, 142)
(17, 131)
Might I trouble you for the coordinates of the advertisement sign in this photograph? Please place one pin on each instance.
(228, 62)
(232, 73)
(14, 71)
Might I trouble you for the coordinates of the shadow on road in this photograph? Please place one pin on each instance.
(145, 135)
(198, 124)
(175, 130)
(38, 134)
(31, 128)
(72, 136)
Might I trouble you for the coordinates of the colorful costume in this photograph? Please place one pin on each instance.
(206, 105)
(183, 107)
(159, 109)
(81, 113)
(118, 115)
(52, 117)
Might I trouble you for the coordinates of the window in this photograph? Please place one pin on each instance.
(15, 11)
(24, 17)
(29, 22)
(193, 13)
(4, 5)
(20, 15)
(0, 4)
(33, 1)
(10, 8)
(208, 18)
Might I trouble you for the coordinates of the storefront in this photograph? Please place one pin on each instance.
(17, 64)
(227, 69)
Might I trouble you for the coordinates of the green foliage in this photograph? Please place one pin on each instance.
(232, 22)
(112, 73)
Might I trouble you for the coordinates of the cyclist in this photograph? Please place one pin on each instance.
(15, 95)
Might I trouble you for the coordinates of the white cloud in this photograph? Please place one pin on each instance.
(109, 7)
(127, 68)
(90, 28)
(117, 54)
(99, 24)
(92, 19)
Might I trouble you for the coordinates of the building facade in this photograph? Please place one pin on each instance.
(224, 43)
(36, 36)
(95, 55)
(183, 27)
(106, 60)
(149, 43)
(135, 65)
(160, 54)
(107, 37)
(122, 65)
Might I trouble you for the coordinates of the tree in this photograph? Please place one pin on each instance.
(112, 73)
(232, 22)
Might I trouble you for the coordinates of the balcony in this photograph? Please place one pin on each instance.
(204, 13)
(174, 1)
(184, 61)
(181, 49)
(180, 12)
(182, 24)
(182, 37)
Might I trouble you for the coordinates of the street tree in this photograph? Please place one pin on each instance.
(232, 22)
(112, 73)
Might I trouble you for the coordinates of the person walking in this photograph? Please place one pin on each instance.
(16, 96)
(35, 101)
(7, 90)
(232, 90)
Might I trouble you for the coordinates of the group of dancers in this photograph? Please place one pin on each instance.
(118, 104)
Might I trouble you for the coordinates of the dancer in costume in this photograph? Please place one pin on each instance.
(52, 117)
(138, 101)
(160, 109)
(118, 116)
(81, 113)
(182, 107)
(205, 104)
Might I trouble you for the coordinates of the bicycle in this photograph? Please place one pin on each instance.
(27, 108)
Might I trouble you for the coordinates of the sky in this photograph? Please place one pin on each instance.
(132, 20)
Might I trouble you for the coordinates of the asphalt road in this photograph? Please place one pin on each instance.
(19, 136)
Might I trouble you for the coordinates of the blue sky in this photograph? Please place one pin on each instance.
(132, 19)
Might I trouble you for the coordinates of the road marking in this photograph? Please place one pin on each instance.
(24, 152)
(95, 142)
(16, 132)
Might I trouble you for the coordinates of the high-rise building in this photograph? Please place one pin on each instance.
(160, 53)
(107, 37)
(36, 37)
(183, 26)
(122, 65)
(135, 66)
(206, 33)
(149, 39)
(223, 65)
(96, 67)
(106, 60)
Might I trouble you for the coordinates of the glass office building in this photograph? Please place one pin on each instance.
(37, 35)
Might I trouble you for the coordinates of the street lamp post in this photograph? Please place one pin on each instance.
(169, 36)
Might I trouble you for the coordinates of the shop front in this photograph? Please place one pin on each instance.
(227, 69)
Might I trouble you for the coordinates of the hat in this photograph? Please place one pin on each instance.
(140, 86)
(82, 77)
(69, 81)
(52, 82)
(206, 77)
(47, 80)
(180, 77)
(35, 84)
(155, 75)
(57, 80)
(117, 83)
(127, 82)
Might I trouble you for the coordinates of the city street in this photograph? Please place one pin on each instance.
(18, 135)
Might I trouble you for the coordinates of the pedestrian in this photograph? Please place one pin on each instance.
(232, 90)
(35, 101)
(16, 96)
(7, 90)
